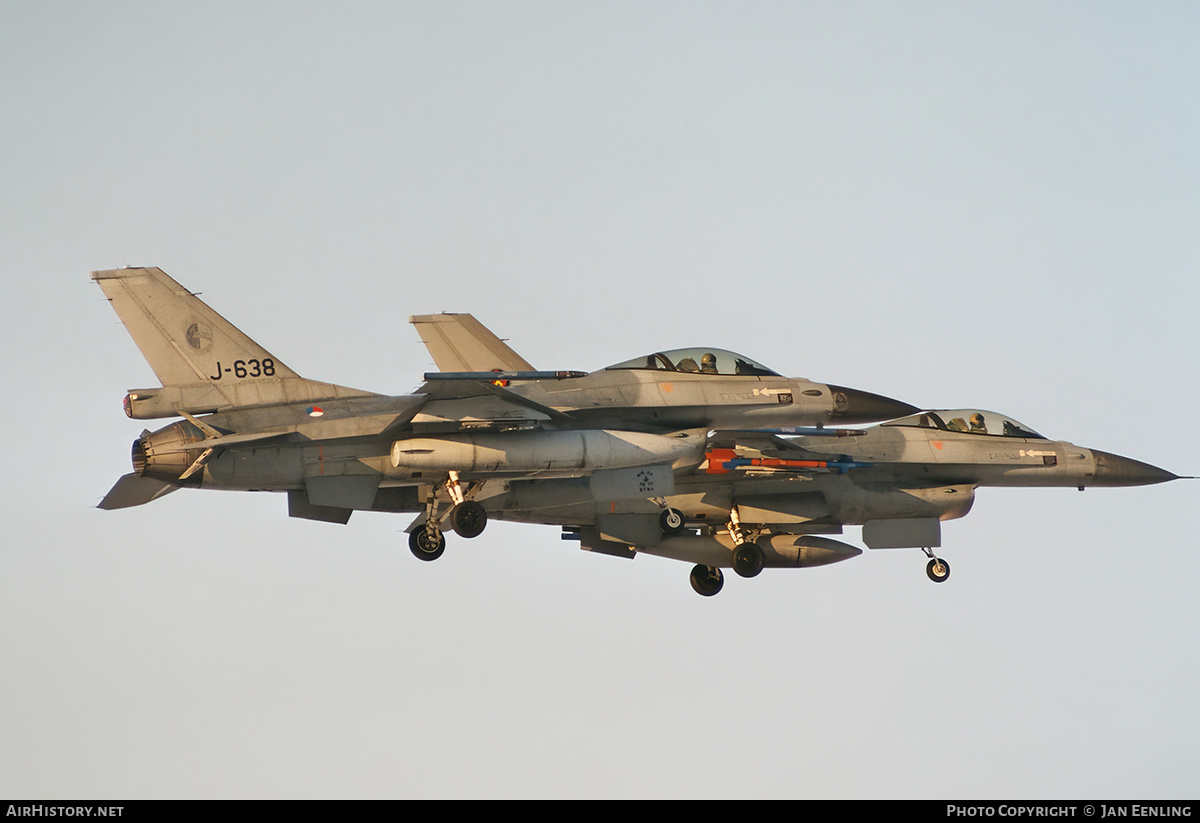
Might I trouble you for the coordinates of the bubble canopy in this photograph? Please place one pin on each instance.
(967, 421)
(698, 361)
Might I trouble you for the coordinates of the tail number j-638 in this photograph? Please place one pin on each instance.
(246, 368)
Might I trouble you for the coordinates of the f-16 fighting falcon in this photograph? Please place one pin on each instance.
(248, 422)
(679, 453)
(763, 501)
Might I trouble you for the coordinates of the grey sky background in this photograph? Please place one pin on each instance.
(986, 205)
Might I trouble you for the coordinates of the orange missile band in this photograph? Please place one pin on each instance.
(721, 461)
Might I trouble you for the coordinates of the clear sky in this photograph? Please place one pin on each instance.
(988, 204)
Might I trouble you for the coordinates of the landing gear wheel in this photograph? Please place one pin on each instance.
(468, 519)
(748, 560)
(671, 521)
(706, 580)
(425, 547)
(938, 570)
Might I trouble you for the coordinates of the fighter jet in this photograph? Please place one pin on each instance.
(660, 391)
(249, 422)
(766, 501)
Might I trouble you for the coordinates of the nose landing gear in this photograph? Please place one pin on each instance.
(937, 568)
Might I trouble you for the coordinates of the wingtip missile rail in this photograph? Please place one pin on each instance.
(506, 376)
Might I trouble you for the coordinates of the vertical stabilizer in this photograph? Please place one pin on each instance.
(459, 342)
(179, 335)
(205, 363)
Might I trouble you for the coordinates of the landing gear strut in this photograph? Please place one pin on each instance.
(426, 540)
(467, 518)
(748, 558)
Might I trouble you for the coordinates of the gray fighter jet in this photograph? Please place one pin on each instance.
(763, 501)
(662, 391)
(248, 422)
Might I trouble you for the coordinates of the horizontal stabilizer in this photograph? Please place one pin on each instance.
(459, 342)
(134, 490)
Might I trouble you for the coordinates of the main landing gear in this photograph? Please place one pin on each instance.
(426, 543)
(748, 558)
(467, 518)
(937, 568)
(706, 580)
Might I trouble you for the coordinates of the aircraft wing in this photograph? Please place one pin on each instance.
(479, 402)
(459, 342)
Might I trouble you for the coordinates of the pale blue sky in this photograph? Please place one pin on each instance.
(956, 204)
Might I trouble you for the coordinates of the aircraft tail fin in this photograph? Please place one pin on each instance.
(459, 342)
(205, 363)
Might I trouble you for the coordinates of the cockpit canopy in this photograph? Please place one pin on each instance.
(967, 421)
(698, 361)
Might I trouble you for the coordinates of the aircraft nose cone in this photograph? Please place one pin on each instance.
(854, 406)
(1114, 470)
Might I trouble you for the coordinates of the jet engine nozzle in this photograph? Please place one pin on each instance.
(164, 455)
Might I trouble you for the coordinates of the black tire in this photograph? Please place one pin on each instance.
(468, 519)
(938, 570)
(748, 560)
(671, 521)
(423, 547)
(706, 580)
